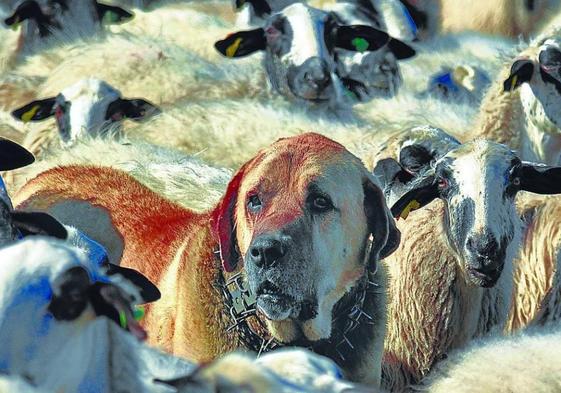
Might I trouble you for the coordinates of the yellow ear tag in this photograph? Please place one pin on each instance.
(513, 83)
(27, 116)
(232, 49)
(413, 205)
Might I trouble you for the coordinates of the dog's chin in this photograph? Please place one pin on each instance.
(277, 307)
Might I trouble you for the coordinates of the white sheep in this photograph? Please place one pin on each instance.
(47, 21)
(506, 17)
(88, 107)
(456, 257)
(527, 362)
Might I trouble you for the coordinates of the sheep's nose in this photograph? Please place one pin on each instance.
(265, 251)
(484, 252)
(314, 73)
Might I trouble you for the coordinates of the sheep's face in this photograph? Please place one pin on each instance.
(89, 107)
(305, 208)
(300, 45)
(539, 79)
(50, 294)
(46, 17)
(478, 182)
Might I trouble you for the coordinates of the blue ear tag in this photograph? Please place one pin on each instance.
(444, 80)
(410, 20)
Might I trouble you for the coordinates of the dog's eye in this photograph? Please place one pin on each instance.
(254, 203)
(321, 203)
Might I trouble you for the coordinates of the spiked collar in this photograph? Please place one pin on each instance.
(253, 334)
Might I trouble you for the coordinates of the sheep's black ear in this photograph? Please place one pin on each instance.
(13, 156)
(112, 15)
(421, 193)
(400, 49)
(520, 72)
(388, 171)
(37, 223)
(359, 38)
(28, 9)
(415, 158)
(36, 110)
(260, 7)
(148, 290)
(136, 109)
(242, 43)
(540, 179)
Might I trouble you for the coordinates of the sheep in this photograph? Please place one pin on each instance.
(308, 72)
(470, 245)
(90, 106)
(537, 275)
(60, 20)
(506, 17)
(527, 362)
(521, 109)
(51, 295)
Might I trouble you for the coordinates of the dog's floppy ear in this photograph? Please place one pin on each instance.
(36, 110)
(37, 223)
(540, 179)
(242, 43)
(109, 14)
(422, 192)
(13, 156)
(520, 72)
(148, 290)
(385, 235)
(223, 223)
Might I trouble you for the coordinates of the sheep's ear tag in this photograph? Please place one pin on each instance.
(28, 116)
(513, 82)
(123, 319)
(413, 205)
(138, 313)
(232, 49)
(360, 44)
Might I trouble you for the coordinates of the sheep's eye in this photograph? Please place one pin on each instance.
(254, 203)
(516, 181)
(321, 203)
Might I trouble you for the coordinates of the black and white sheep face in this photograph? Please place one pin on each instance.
(539, 78)
(47, 17)
(370, 73)
(89, 107)
(478, 182)
(50, 295)
(299, 44)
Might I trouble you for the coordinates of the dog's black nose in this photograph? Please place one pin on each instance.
(266, 250)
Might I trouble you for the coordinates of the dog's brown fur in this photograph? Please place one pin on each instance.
(174, 247)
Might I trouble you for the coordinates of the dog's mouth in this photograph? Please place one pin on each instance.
(276, 305)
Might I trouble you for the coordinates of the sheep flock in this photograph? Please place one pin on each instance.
(280, 196)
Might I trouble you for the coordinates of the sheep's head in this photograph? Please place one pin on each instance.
(48, 16)
(369, 73)
(538, 75)
(478, 182)
(299, 44)
(90, 106)
(51, 293)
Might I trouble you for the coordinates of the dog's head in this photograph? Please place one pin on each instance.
(298, 217)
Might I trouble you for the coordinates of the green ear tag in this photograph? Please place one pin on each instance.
(138, 313)
(360, 44)
(122, 319)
